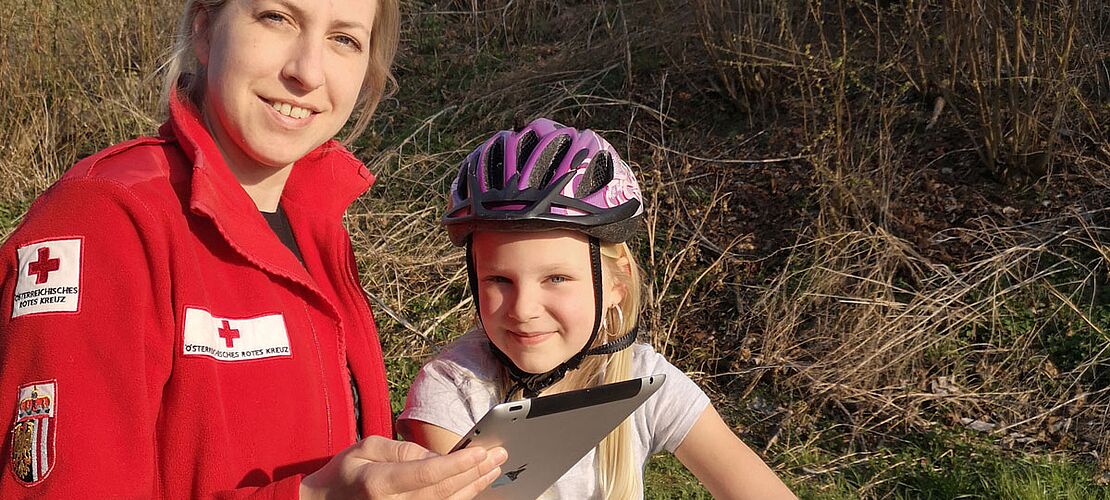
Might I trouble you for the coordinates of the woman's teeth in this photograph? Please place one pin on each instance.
(290, 110)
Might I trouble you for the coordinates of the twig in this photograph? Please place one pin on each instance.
(396, 149)
(835, 467)
(608, 101)
(378, 303)
(1043, 414)
(778, 431)
(709, 245)
(722, 160)
(938, 107)
(466, 301)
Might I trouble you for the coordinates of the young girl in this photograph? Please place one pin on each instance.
(544, 214)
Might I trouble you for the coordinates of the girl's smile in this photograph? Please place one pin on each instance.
(530, 339)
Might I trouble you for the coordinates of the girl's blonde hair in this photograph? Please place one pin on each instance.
(618, 474)
(384, 36)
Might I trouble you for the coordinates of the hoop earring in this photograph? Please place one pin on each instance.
(619, 323)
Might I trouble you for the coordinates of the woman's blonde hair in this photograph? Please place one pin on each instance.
(185, 74)
(618, 474)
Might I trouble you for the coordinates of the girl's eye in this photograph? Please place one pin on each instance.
(558, 279)
(496, 279)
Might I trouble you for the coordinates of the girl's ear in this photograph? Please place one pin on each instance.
(618, 289)
(200, 32)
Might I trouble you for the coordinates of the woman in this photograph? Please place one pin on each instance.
(183, 315)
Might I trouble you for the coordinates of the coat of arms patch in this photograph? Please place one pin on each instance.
(32, 432)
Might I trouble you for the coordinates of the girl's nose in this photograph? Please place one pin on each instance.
(306, 64)
(524, 305)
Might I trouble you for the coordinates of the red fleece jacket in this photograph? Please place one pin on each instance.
(158, 340)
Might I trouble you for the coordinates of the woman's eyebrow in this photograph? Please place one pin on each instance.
(301, 12)
(287, 4)
(351, 25)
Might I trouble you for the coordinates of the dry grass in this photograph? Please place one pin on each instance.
(864, 321)
(897, 334)
(74, 77)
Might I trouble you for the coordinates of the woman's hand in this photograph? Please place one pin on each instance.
(377, 467)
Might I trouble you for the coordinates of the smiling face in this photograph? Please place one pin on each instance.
(283, 76)
(537, 295)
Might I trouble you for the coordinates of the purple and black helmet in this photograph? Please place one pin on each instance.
(545, 176)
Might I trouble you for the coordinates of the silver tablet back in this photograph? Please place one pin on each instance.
(546, 436)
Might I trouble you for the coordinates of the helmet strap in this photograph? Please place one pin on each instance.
(472, 277)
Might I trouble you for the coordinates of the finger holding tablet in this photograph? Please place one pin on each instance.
(380, 468)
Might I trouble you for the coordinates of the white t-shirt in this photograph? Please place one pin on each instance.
(455, 389)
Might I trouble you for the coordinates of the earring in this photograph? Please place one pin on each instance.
(617, 324)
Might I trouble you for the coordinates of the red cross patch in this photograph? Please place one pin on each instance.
(32, 455)
(234, 339)
(49, 277)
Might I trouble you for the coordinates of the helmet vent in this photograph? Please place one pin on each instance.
(495, 165)
(544, 169)
(525, 147)
(579, 157)
(597, 176)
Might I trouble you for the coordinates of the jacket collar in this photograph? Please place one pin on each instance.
(325, 182)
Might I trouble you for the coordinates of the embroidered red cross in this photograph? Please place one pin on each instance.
(44, 266)
(228, 334)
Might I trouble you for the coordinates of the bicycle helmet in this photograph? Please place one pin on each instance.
(546, 176)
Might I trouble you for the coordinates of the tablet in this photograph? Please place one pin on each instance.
(546, 436)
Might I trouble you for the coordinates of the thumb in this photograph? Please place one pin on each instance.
(379, 449)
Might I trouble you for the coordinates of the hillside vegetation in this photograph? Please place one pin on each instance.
(878, 231)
